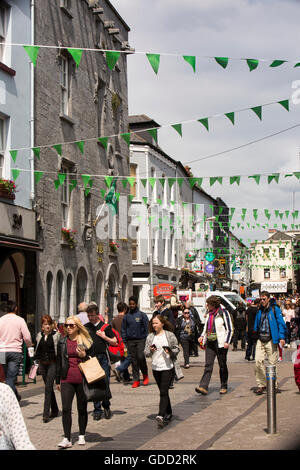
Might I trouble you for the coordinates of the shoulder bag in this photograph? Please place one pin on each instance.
(92, 370)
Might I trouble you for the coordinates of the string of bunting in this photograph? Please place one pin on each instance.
(112, 57)
(126, 136)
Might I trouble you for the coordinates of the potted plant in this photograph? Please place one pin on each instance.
(113, 246)
(7, 189)
(68, 236)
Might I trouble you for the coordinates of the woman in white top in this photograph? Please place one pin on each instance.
(162, 346)
(288, 313)
(13, 432)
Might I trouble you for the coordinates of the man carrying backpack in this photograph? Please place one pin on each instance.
(270, 329)
(101, 340)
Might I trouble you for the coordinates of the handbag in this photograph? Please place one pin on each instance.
(96, 391)
(91, 370)
(33, 371)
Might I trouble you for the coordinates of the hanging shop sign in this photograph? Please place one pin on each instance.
(164, 289)
(190, 257)
(209, 268)
(209, 256)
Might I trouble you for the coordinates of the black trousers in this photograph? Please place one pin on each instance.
(48, 372)
(68, 391)
(239, 333)
(212, 351)
(186, 344)
(163, 379)
(136, 350)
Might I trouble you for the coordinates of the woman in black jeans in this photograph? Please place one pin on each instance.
(185, 333)
(45, 354)
(72, 349)
(162, 347)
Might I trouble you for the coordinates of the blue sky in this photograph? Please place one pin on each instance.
(231, 28)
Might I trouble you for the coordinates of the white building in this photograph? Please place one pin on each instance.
(239, 264)
(168, 214)
(272, 262)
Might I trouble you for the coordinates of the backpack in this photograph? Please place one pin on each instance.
(116, 353)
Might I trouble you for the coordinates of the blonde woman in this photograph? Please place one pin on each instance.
(72, 349)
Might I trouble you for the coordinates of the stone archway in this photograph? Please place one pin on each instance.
(81, 286)
(112, 289)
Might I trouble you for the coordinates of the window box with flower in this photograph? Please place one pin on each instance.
(113, 246)
(7, 189)
(68, 236)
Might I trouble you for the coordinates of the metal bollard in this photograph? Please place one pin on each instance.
(271, 399)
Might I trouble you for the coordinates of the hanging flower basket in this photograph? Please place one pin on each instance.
(113, 246)
(68, 236)
(7, 189)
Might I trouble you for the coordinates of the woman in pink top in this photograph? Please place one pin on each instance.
(72, 349)
(288, 313)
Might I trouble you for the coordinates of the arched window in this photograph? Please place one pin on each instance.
(60, 313)
(124, 292)
(100, 291)
(49, 290)
(81, 286)
(70, 303)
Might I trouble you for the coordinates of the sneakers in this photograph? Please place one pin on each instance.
(81, 440)
(135, 384)
(107, 413)
(160, 421)
(65, 443)
(145, 380)
(223, 391)
(201, 390)
(280, 359)
(260, 390)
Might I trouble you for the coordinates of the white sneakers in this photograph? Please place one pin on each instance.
(65, 443)
(81, 440)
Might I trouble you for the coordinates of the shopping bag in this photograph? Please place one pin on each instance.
(33, 371)
(92, 370)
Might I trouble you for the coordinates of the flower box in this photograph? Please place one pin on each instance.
(7, 189)
(68, 236)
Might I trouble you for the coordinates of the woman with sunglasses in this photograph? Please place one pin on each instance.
(72, 349)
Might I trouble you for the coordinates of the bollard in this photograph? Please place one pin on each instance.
(271, 398)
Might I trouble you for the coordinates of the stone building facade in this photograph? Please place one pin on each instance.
(79, 104)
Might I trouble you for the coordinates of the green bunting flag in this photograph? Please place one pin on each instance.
(285, 104)
(192, 182)
(277, 62)
(213, 179)
(235, 179)
(80, 145)
(112, 58)
(230, 117)
(61, 178)
(126, 137)
(36, 151)
(153, 133)
(255, 213)
(108, 180)
(152, 181)
(171, 181)
(15, 173)
(180, 181)
(258, 111)
(32, 52)
(256, 177)
(58, 148)
(204, 121)
(223, 61)
(275, 177)
(85, 180)
(131, 180)
(191, 59)
(76, 54)
(38, 176)
(162, 181)
(252, 64)
(144, 182)
(154, 60)
(14, 154)
(124, 183)
(297, 174)
(103, 141)
(178, 128)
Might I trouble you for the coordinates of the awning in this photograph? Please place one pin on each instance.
(19, 243)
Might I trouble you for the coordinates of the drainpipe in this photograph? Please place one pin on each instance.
(32, 194)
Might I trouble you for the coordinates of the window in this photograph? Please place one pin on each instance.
(4, 12)
(282, 272)
(65, 4)
(65, 199)
(135, 247)
(2, 143)
(281, 253)
(266, 252)
(267, 273)
(133, 175)
(65, 86)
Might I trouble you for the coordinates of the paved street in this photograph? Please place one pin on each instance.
(237, 420)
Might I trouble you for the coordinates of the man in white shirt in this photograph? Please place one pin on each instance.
(82, 315)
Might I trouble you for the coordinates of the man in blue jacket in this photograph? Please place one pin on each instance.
(270, 329)
(134, 334)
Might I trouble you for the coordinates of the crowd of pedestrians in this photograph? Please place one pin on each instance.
(264, 328)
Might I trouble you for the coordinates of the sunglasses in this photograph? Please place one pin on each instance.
(69, 325)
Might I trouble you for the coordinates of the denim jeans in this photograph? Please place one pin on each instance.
(102, 358)
(123, 367)
(11, 368)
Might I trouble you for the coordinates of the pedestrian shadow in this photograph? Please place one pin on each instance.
(25, 403)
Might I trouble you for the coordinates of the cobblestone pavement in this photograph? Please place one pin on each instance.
(235, 421)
